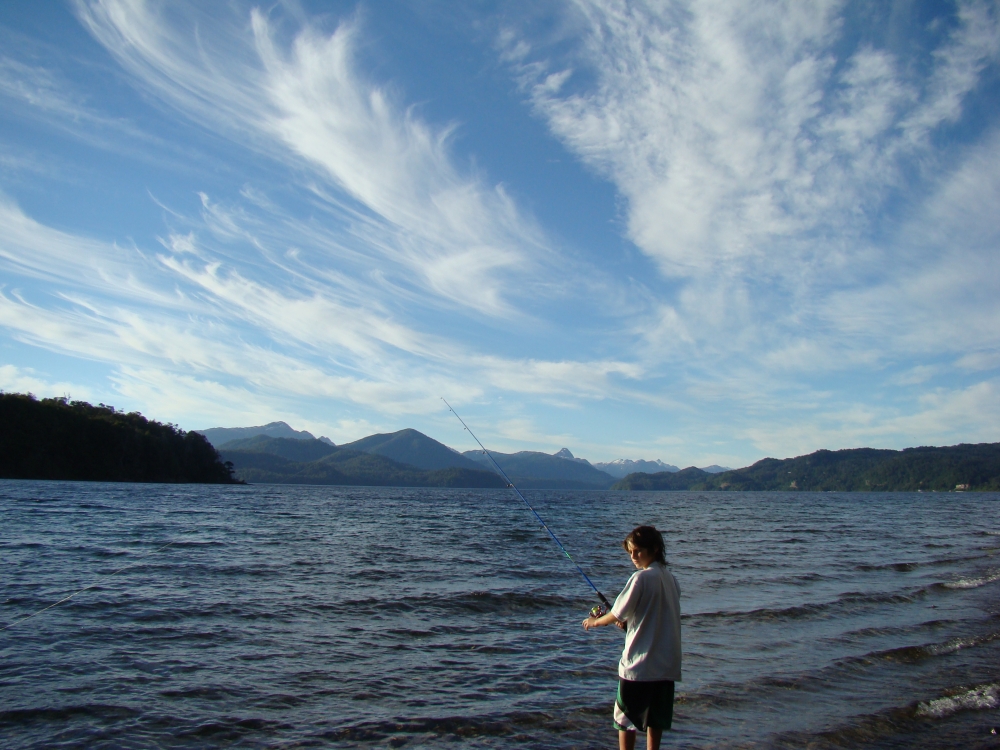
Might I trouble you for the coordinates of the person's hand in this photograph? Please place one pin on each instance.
(622, 624)
(590, 622)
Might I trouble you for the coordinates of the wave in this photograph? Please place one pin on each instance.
(448, 726)
(904, 726)
(912, 654)
(475, 602)
(973, 583)
(901, 567)
(906, 567)
(31, 715)
(849, 601)
(182, 543)
(843, 671)
(976, 698)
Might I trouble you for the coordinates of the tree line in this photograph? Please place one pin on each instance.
(55, 438)
(956, 467)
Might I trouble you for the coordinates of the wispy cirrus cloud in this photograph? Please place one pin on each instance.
(187, 311)
(246, 296)
(305, 100)
(735, 131)
(940, 294)
(763, 153)
(817, 197)
(31, 89)
(811, 191)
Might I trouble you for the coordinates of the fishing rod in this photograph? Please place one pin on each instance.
(598, 610)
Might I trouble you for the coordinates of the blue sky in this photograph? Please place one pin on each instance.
(705, 232)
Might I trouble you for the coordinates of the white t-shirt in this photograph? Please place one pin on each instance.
(650, 604)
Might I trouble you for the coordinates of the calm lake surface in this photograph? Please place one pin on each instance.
(286, 616)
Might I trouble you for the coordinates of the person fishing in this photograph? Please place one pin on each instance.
(648, 609)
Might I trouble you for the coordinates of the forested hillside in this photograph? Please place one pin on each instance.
(264, 459)
(55, 438)
(958, 467)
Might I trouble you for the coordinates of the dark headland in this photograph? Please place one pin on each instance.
(54, 438)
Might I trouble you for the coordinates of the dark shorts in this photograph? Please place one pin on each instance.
(640, 705)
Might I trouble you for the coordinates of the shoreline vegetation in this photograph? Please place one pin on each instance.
(56, 438)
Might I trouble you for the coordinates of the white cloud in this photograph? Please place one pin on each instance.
(284, 334)
(917, 375)
(943, 293)
(196, 402)
(588, 379)
(36, 87)
(959, 65)
(44, 95)
(755, 157)
(788, 180)
(200, 403)
(308, 319)
(460, 237)
(30, 249)
(15, 379)
(732, 129)
(940, 417)
(980, 361)
(517, 432)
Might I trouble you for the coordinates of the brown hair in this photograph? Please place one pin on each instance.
(647, 538)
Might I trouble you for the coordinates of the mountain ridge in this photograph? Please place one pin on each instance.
(621, 467)
(411, 447)
(854, 469)
(536, 470)
(264, 459)
(221, 435)
(960, 467)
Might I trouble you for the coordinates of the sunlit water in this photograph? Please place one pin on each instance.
(286, 616)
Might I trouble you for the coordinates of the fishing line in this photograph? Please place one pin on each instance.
(98, 582)
(604, 600)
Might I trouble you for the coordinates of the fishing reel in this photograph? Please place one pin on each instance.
(599, 610)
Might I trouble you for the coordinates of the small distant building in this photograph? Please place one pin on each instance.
(961, 487)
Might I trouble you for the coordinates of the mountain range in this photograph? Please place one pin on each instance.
(404, 458)
(535, 470)
(530, 469)
(221, 435)
(957, 467)
(415, 448)
(59, 439)
(624, 466)
(410, 458)
(265, 459)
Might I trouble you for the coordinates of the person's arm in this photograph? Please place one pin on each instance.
(600, 622)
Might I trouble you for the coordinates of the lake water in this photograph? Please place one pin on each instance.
(289, 616)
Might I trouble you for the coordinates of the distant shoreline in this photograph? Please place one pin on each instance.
(61, 440)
